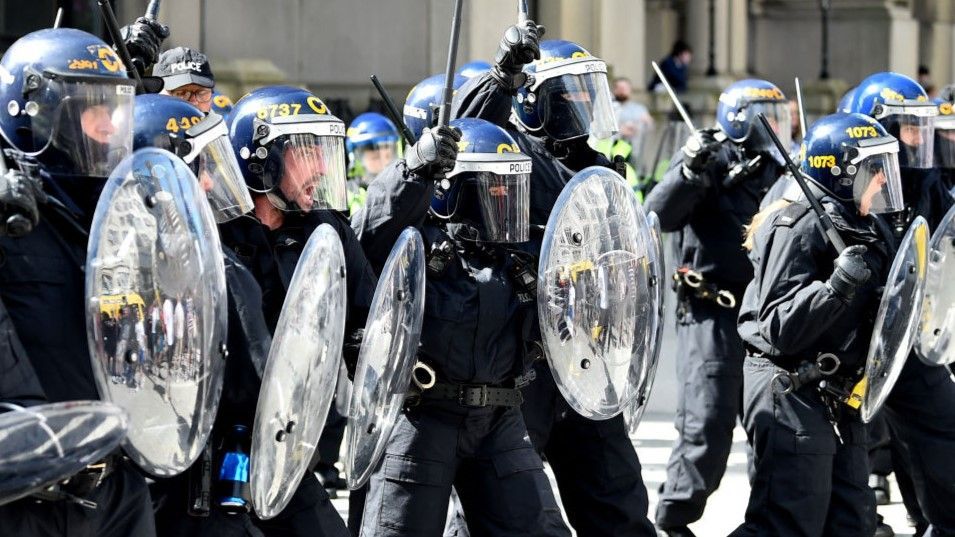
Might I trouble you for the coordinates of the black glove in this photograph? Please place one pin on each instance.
(851, 272)
(519, 47)
(435, 152)
(19, 194)
(143, 39)
(697, 152)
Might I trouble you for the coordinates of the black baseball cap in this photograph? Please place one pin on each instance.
(181, 66)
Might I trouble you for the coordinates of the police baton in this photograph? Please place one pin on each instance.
(112, 26)
(392, 110)
(828, 228)
(673, 97)
(445, 114)
(522, 12)
(802, 112)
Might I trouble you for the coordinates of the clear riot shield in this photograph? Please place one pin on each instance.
(387, 355)
(936, 343)
(595, 298)
(634, 411)
(897, 322)
(300, 374)
(44, 444)
(156, 308)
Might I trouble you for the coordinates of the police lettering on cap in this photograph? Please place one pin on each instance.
(182, 66)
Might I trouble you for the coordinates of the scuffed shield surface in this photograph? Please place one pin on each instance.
(597, 305)
(936, 344)
(44, 444)
(897, 321)
(156, 308)
(386, 357)
(300, 375)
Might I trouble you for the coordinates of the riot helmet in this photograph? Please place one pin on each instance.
(372, 144)
(853, 159)
(736, 112)
(290, 148)
(221, 103)
(901, 105)
(488, 190)
(424, 101)
(202, 142)
(567, 96)
(68, 102)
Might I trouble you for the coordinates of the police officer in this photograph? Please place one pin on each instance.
(291, 151)
(711, 191)
(203, 143)
(945, 143)
(806, 305)
(187, 75)
(466, 430)
(559, 96)
(921, 407)
(68, 107)
(372, 143)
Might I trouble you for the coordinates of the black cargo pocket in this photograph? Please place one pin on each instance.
(508, 463)
(801, 467)
(412, 492)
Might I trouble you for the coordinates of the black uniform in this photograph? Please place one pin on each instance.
(921, 407)
(42, 287)
(248, 344)
(709, 353)
(810, 453)
(598, 472)
(271, 256)
(471, 335)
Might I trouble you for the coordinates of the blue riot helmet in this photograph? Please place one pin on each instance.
(568, 96)
(473, 69)
(736, 112)
(290, 148)
(424, 101)
(901, 105)
(202, 142)
(221, 103)
(372, 144)
(845, 103)
(853, 158)
(67, 101)
(489, 187)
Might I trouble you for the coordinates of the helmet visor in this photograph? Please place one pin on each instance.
(86, 123)
(777, 113)
(945, 144)
(575, 105)
(309, 157)
(372, 158)
(218, 170)
(877, 186)
(501, 187)
(913, 124)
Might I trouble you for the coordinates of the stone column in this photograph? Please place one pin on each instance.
(621, 39)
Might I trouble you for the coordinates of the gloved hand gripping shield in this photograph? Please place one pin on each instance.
(300, 375)
(597, 303)
(156, 308)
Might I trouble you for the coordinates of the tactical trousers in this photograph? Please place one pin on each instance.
(709, 358)
(483, 452)
(598, 472)
(806, 482)
(123, 509)
(921, 410)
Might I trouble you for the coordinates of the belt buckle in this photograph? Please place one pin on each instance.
(464, 395)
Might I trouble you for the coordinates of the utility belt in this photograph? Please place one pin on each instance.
(688, 282)
(78, 486)
(823, 372)
(426, 387)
